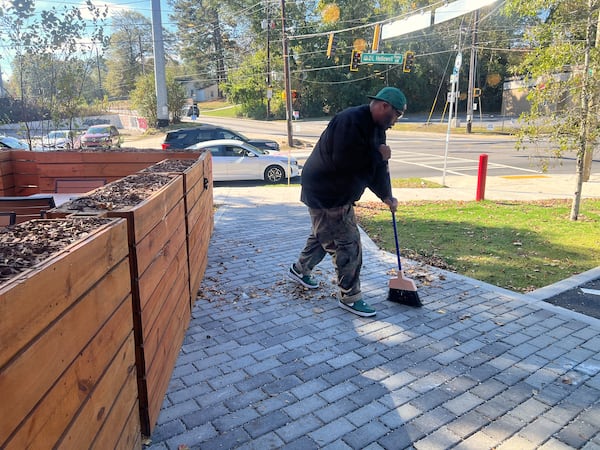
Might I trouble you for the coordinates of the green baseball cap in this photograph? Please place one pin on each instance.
(391, 95)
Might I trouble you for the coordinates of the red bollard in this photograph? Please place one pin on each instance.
(481, 176)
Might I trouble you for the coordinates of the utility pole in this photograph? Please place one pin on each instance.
(141, 54)
(100, 93)
(472, 69)
(160, 78)
(1, 84)
(269, 87)
(286, 75)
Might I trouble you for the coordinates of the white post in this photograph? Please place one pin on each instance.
(453, 80)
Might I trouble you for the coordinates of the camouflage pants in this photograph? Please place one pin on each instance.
(334, 232)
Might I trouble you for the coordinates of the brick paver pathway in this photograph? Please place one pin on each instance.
(267, 364)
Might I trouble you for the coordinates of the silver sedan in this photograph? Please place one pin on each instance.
(236, 160)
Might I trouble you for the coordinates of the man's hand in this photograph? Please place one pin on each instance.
(392, 203)
(386, 152)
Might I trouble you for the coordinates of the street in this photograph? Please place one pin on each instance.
(421, 154)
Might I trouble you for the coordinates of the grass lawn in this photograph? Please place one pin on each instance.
(218, 108)
(515, 245)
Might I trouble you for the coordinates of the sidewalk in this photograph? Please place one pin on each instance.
(267, 364)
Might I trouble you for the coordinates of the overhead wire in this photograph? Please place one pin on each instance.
(247, 11)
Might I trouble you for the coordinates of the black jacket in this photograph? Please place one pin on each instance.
(345, 161)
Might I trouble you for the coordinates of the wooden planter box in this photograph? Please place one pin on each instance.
(7, 181)
(199, 217)
(159, 284)
(67, 355)
(75, 171)
(167, 237)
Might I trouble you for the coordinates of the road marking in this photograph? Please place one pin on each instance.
(435, 162)
(590, 291)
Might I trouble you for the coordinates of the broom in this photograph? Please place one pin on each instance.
(402, 290)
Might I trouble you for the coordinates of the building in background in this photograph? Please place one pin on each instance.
(199, 91)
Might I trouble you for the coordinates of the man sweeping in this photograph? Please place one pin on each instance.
(350, 156)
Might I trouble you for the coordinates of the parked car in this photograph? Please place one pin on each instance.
(184, 137)
(100, 136)
(236, 160)
(14, 143)
(59, 139)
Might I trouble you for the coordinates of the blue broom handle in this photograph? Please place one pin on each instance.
(396, 239)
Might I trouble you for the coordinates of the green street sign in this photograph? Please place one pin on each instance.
(381, 58)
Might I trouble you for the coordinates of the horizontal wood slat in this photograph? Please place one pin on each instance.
(27, 208)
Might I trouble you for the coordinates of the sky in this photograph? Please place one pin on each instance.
(141, 6)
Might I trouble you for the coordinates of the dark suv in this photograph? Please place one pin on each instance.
(184, 137)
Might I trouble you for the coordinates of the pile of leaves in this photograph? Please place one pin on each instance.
(170, 165)
(123, 193)
(24, 245)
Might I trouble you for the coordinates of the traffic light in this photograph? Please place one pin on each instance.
(331, 45)
(409, 61)
(354, 61)
(295, 95)
(376, 38)
(476, 92)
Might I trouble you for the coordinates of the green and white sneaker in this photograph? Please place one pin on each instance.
(305, 280)
(359, 307)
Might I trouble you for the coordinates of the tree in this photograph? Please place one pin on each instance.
(143, 97)
(246, 87)
(563, 65)
(328, 86)
(40, 39)
(325, 84)
(203, 36)
(129, 49)
(175, 94)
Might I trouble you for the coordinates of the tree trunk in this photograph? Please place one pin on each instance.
(578, 187)
(585, 99)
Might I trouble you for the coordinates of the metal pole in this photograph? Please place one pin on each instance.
(141, 54)
(472, 66)
(286, 75)
(99, 74)
(455, 104)
(160, 79)
(452, 94)
(454, 78)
